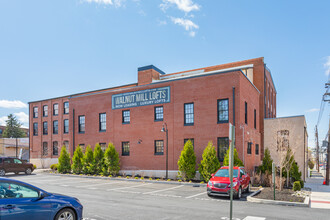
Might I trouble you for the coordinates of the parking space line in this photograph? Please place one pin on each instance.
(97, 184)
(163, 189)
(24, 178)
(195, 195)
(84, 181)
(127, 187)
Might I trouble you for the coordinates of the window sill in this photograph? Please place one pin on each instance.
(102, 131)
(223, 122)
(125, 123)
(159, 154)
(125, 155)
(81, 132)
(188, 124)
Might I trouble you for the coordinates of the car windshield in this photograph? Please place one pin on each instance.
(225, 173)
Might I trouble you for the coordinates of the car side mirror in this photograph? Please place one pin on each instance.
(41, 196)
(212, 174)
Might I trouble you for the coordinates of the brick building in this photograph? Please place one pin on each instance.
(195, 104)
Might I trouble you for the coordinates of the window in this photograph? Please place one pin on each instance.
(16, 189)
(81, 126)
(83, 148)
(45, 111)
(66, 126)
(0, 131)
(17, 161)
(189, 114)
(257, 149)
(55, 109)
(223, 111)
(35, 129)
(103, 146)
(55, 127)
(35, 112)
(126, 117)
(246, 113)
(44, 148)
(66, 107)
(223, 146)
(187, 139)
(125, 148)
(55, 148)
(159, 147)
(102, 122)
(249, 148)
(255, 119)
(66, 144)
(159, 113)
(45, 128)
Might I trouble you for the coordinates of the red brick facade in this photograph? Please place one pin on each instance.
(203, 87)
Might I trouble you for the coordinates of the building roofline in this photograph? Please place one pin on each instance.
(294, 116)
(83, 93)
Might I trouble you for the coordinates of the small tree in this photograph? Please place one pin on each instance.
(310, 164)
(13, 128)
(111, 160)
(267, 162)
(88, 166)
(287, 164)
(64, 163)
(187, 161)
(77, 160)
(210, 163)
(98, 159)
(237, 161)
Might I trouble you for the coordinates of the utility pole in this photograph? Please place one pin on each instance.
(328, 159)
(317, 149)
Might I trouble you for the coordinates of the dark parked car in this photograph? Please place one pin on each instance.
(14, 165)
(19, 200)
(219, 184)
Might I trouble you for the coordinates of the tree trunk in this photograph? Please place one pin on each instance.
(287, 178)
(280, 178)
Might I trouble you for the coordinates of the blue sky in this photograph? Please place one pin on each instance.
(54, 48)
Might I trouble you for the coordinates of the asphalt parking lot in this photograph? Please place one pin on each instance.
(122, 199)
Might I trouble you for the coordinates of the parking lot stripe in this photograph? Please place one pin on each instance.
(97, 184)
(127, 187)
(253, 218)
(163, 189)
(84, 181)
(195, 195)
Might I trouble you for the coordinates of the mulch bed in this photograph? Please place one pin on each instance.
(284, 195)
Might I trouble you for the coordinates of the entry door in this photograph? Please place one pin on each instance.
(9, 165)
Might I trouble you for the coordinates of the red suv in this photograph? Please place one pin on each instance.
(8, 164)
(219, 184)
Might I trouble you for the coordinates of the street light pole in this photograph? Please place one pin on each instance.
(164, 129)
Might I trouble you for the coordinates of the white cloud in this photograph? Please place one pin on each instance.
(187, 24)
(313, 110)
(12, 104)
(116, 3)
(162, 22)
(183, 5)
(22, 117)
(327, 66)
(3, 120)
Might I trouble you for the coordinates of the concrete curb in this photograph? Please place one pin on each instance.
(131, 180)
(250, 198)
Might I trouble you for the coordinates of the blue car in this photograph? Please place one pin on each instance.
(19, 200)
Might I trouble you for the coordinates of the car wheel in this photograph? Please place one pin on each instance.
(2, 172)
(239, 193)
(248, 189)
(28, 171)
(66, 214)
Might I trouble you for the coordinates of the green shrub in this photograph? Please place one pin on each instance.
(88, 165)
(98, 159)
(296, 186)
(267, 162)
(64, 163)
(187, 161)
(111, 160)
(210, 163)
(77, 160)
(237, 161)
(311, 164)
(53, 166)
(302, 183)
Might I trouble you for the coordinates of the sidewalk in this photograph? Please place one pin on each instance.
(320, 197)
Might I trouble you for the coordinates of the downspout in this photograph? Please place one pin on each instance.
(29, 135)
(305, 153)
(73, 144)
